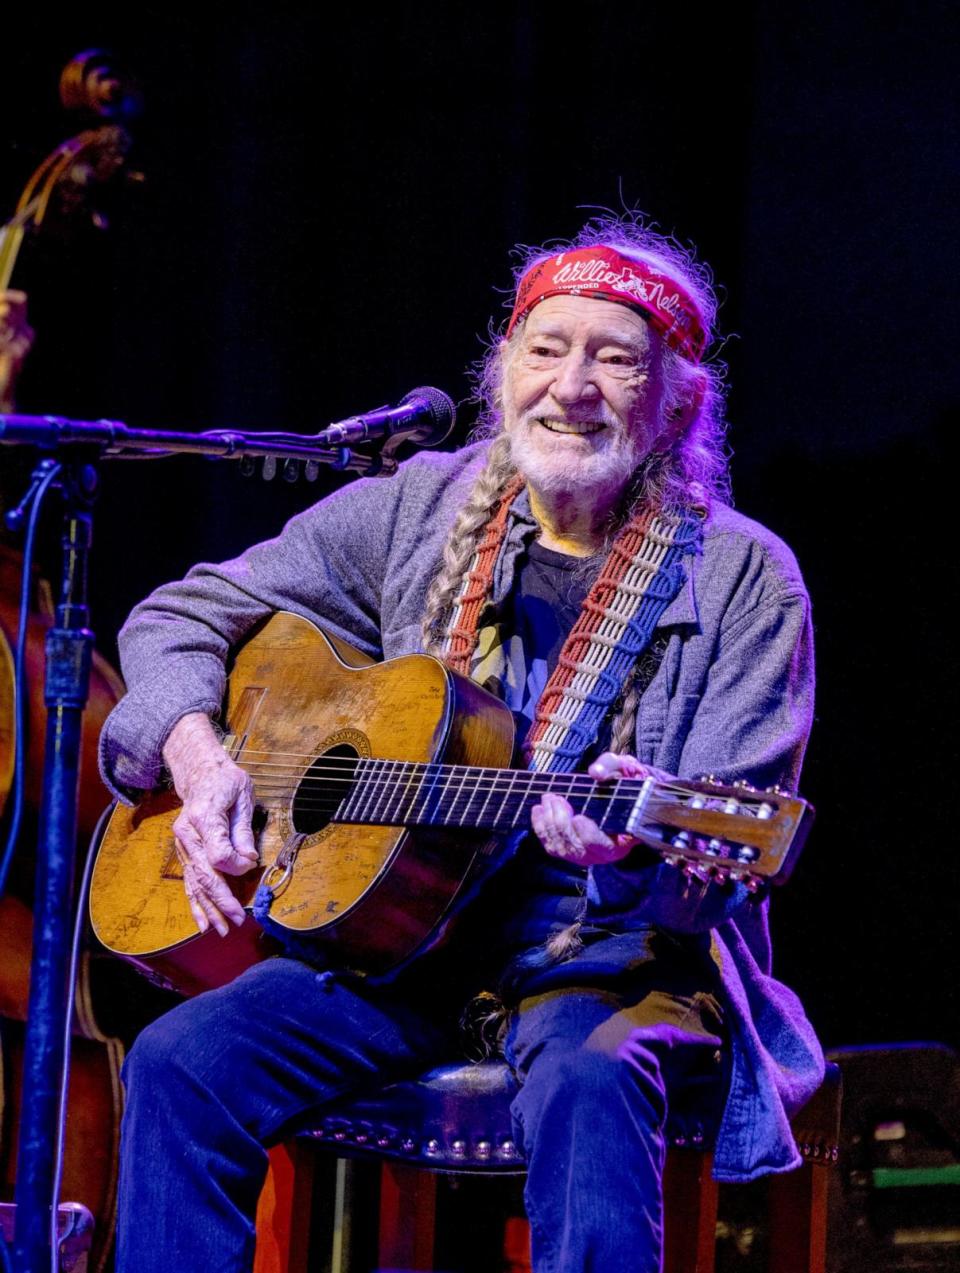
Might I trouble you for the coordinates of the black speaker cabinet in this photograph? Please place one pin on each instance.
(894, 1201)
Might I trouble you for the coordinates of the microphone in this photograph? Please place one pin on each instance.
(425, 416)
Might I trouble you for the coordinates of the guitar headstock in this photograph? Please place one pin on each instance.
(718, 832)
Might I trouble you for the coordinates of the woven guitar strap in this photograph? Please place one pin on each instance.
(642, 574)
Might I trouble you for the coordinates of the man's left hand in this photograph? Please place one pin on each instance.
(578, 839)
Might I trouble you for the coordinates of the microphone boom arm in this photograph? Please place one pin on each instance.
(424, 417)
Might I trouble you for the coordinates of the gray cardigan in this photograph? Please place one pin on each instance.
(733, 696)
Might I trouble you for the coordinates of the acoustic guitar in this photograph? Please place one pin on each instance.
(378, 786)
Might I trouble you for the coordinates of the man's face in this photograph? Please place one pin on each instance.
(581, 396)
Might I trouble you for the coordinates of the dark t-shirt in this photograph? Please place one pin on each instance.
(544, 606)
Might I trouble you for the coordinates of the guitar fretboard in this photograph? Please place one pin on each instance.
(404, 793)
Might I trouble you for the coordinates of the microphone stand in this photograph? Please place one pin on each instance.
(79, 446)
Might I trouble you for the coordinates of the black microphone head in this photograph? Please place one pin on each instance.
(440, 413)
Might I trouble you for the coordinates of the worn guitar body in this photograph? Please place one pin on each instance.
(296, 695)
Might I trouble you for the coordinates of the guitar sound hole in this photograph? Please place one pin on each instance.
(322, 788)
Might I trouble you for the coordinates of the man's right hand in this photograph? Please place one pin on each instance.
(213, 831)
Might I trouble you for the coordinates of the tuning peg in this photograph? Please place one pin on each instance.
(764, 810)
(681, 840)
(742, 785)
(746, 853)
(291, 470)
(716, 848)
(269, 468)
(710, 780)
(311, 470)
(777, 790)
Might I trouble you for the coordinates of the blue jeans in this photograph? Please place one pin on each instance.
(219, 1077)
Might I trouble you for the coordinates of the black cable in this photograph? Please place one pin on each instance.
(20, 677)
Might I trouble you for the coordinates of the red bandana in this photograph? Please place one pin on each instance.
(604, 273)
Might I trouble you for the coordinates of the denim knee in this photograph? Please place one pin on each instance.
(590, 1090)
(176, 1054)
(156, 1075)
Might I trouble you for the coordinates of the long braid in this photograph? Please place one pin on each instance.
(462, 541)
(624, 724)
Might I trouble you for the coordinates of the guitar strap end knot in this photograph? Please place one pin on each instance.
(262, 901)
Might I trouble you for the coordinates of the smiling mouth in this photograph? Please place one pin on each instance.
(571, 426)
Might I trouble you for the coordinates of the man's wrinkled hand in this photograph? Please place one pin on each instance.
(576, 838)
(213, 831)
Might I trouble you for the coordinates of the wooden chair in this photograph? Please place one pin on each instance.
(456, 1119)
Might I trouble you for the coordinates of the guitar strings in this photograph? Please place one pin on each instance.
(461, 782)
(338, 764)
(353, 768)
(313, 758)
(449, 781)
(407, 802)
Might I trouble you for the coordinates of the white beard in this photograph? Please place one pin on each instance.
(599, 464)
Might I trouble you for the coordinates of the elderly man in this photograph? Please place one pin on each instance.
(587, 533)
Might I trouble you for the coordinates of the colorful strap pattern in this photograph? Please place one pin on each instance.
(641, 575)
(463, 630)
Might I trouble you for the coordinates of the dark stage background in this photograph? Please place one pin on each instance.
(326, 221)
